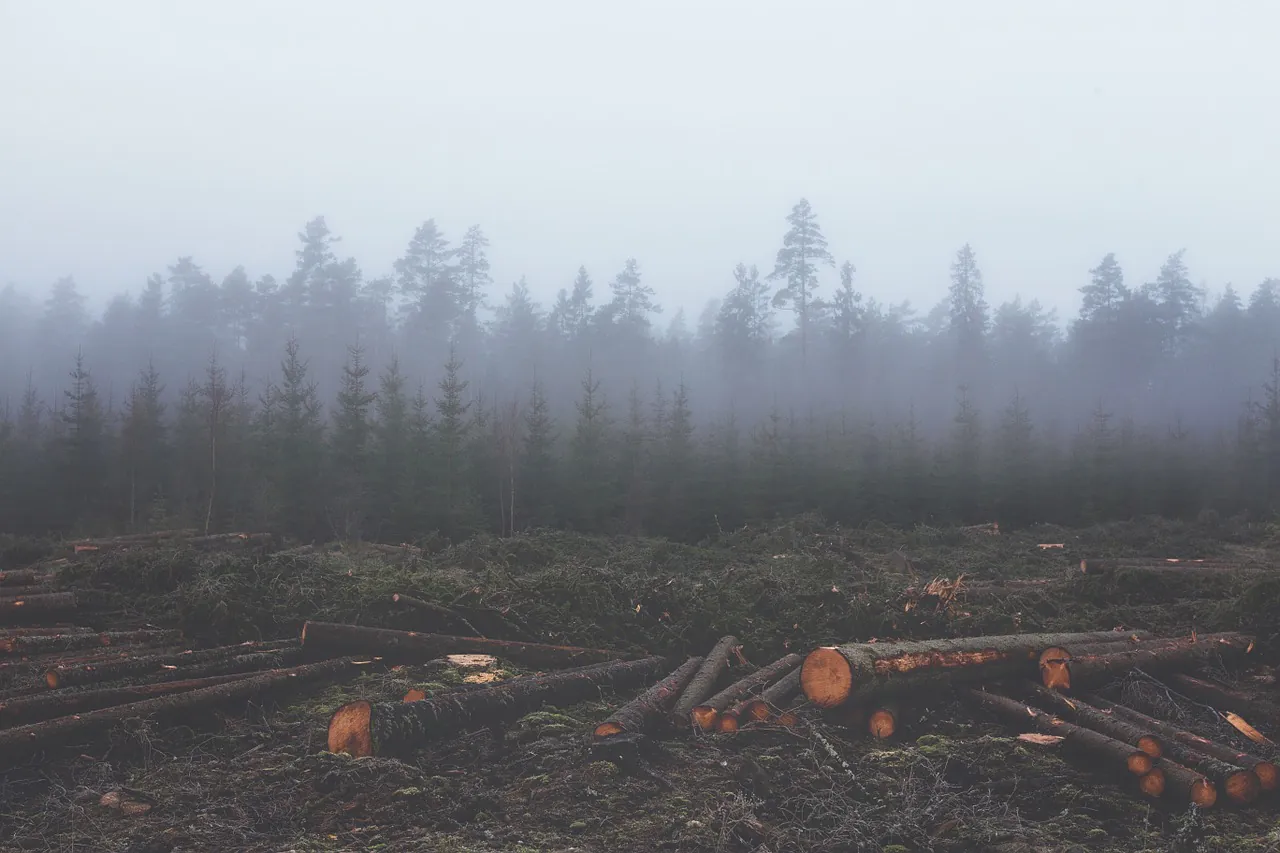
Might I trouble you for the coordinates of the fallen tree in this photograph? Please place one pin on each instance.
(1084, 669)
(1096, 566)
(703, 683)
(450, 617)
(363, 728)
(1241, 775)
(70, 642)
(331, 638)
(651, 705)
(59, 703)
(53, 602)
(1080, 712)
(1184, 784)
(883, 721)
(832, 674)
(21, 577)
(272, 654)
(705, 715)
(768, 704)
(44, 631)
(62, 730)
(1221, 696)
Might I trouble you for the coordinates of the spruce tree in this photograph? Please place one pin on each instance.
(537, 501)
(84, 450)
(591, 459)
(803, 248)
(350, 446)
(296, 440)
(143, 442)
(454, 500)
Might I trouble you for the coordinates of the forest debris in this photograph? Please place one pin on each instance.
(706, 713)
(768, 704)
(883, 721)
(54, 602)
(472, 661)
(59, 703)
(1227, 698)
(1186, 785)
(832, 674)
(1046, 545)
(21, 577)
(1242, 725)
(703, 682)
(412, 645)
(124, 804)
(71, 642)
(939, 592)
(402, 550)
(448, 616)
(363, 728)
(1082, 669)
(992, 529)
(651, 705)
(1041, 739)
(1080, 712)
(1095, 566)
(237, 658)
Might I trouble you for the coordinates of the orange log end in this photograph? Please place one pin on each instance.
(705, 718)
(758, 710)
(882, 723)
(1267, 775)
(1243, 787)
(608, 729)
(1055, 674)
(51, 678)
(1203, 793)
(349, 729)
(1151, 746)
(1139, 763)
(415, 695)
(1152, 784)
(727, 723)
(1054, 653)
(826, 677)
(788, 720)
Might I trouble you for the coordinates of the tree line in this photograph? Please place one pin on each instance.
(329, 404)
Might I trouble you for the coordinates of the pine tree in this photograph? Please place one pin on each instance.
(426, 278)
(84, 451)
(455, 502)
(217, 399)
(296, 441)
(395, 504)
(537, 502)
(803, 247)
(635, 468)
(1017, 487)
(590, 459)
(1102, 296)
(678, 466)
(143, 443)
(968, 307)
(472, 279)
(1178, 300)
(744, 323)
(350, 446)
(968, 502)
(632, 301)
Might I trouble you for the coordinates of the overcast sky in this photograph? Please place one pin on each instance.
(680, 133)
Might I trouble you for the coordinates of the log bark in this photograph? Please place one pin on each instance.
(72, 642)
(1106, 750)
(768, 704)
(706, 713)
(45, 631)
(650, 706)
(28, 591)
(1221, 696)
(1188, 748)
(703, 683)
(332, 638)
(452, 619)
(1095, 566)
(21, 577)
(363, 728)
(273, 654)
(133, 538)
(1080, 712)
(1090, 669)
(14, 669)
(1172, 781)
(395, 550)
(54, 602)
(62, 730)
(1053, 660)
(59, 703)
(832, 674)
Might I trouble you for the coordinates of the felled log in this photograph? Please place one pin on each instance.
(21, 577)
(133, 539)
(272, 654)
(706, 713)
(1053, 660)
(832, 674)
(44, 631)
(450, 617)
(13, 669)
(59, 703)
(1090, 668)
(27, 591)
(1181, 784)
(53, 602)
(1107, 750)
(1190, 749)
(227, 539)
(1080, 712)
(651, 705)
(883, 721)
(333, 638)
(363, 728)
(767, 705)
(703, 683)
(1149, 564)
(62, 730)
(395, 550)
(70, 642)
(1227, 698)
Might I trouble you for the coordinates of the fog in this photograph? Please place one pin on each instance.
(1002, 210)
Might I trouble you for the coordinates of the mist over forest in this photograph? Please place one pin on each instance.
(325, 402)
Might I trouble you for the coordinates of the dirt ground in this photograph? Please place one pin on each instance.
(263, 781)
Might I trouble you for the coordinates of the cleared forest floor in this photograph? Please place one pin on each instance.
(263, 780)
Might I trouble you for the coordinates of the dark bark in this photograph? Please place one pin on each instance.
(1155, 655)
(706, 713)
(54, 602)
(704, 681)
(21, 577)
(1084, 714)
(769, 704)
(13, 671)
(832, 674)
(45, 631)
(1219, 762)
(59, 703)
(395, 550)
(239, 658)
(650, 706)
(133, 539)
(63, 730)
(332, 638)
(1108, 751)
(397, 729)
(1220, 696)
(72, 642)
(452, 621)
(1172, 781)
(27, 591)
(1095, 566)
(1053, 660)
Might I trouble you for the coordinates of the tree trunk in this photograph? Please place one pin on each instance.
(767, 705)
(51, 631)
(410, 645)
(647, 708)
(12, 670)
(1220, 696)
(54, 602)
(1242, 776)
(134, 538)
(1185, 785)
(67, 643)
(60, 731)
(363, 728)
(704, 681)
(705, 714)
(272, 654)
(1053, 660)
(60, 703)
(1162, 654)
(1077, 711)
(21, 577)
(1095, 566)
(395, 550)
(453, 621)
(28, 591)
(831, 674)
(1108, 751)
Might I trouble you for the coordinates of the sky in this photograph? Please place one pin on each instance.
(680, 133)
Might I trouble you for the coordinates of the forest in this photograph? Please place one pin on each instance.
(428, 402)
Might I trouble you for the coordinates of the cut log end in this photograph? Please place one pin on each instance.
(1055, 674)
(788, 720)
(705, 718)
(51, 679)
(1152, 784)
(1054, 653)
(1139, 763)
(608, 730)
(1151, 746)
(1203, 793)
(757, 710)
(349, 729)
(882, 724)
(1242, 787)
(727, 723)
(826, 677)
(415, 695)
(1268, 777)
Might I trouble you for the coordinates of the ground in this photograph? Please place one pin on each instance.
(262, 780)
